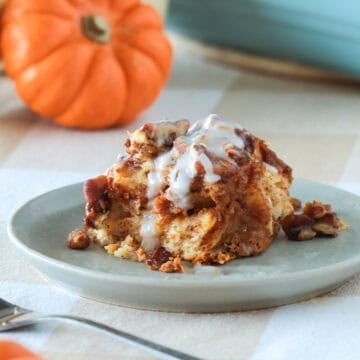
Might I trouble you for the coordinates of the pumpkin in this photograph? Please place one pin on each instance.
(2, 4)
(0, 37)
(10, 350)
(86, 63)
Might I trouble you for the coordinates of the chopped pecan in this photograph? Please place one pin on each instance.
(154, 138)
(298, 227)
(270, 157)
(296, 204)
(95, 191)
(329, 224)
(317, 209)
(224, 167)
(317, 219)
(157, 258)
(240, 156)
(248, 138)
(78, 240)
(164, 133)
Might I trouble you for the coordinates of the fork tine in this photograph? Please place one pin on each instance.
(5, 304)
(9, 311)
(6, 309)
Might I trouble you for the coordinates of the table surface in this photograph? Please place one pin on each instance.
(314, 127)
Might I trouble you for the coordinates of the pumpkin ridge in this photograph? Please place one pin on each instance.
(15, 8)
(92, 127)
(125, 13)
(91, 65)
(71, 4)
(155, 14)
(155, 62)
(41, 13)
(148, 27)
(81, 84)
(51, 52)
(32, 98)
(119, 61)
(120, 66)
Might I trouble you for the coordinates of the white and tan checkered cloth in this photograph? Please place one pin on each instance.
(314, 127)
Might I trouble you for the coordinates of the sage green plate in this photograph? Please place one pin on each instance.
(287, 272)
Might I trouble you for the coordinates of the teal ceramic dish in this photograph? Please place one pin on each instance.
(321, 33)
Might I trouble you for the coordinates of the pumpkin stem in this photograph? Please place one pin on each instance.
(96, 28)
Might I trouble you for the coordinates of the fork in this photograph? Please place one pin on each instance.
(13, 317)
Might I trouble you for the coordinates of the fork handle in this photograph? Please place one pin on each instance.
(161, 351)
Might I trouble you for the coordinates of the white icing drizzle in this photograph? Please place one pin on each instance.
(210, 133)
(148, 232)
(155, 183)
(180, 178)
(215, 134)
(155, 179)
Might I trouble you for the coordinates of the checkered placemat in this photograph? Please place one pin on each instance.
(314, 127)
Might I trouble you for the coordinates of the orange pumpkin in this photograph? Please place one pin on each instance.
(2, 3)
(0, 33)
(10, 350)
(86, 63)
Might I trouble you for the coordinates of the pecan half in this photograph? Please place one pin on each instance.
(78, 240)
(298, 227)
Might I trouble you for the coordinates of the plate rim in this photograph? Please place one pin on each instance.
(204, 280)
